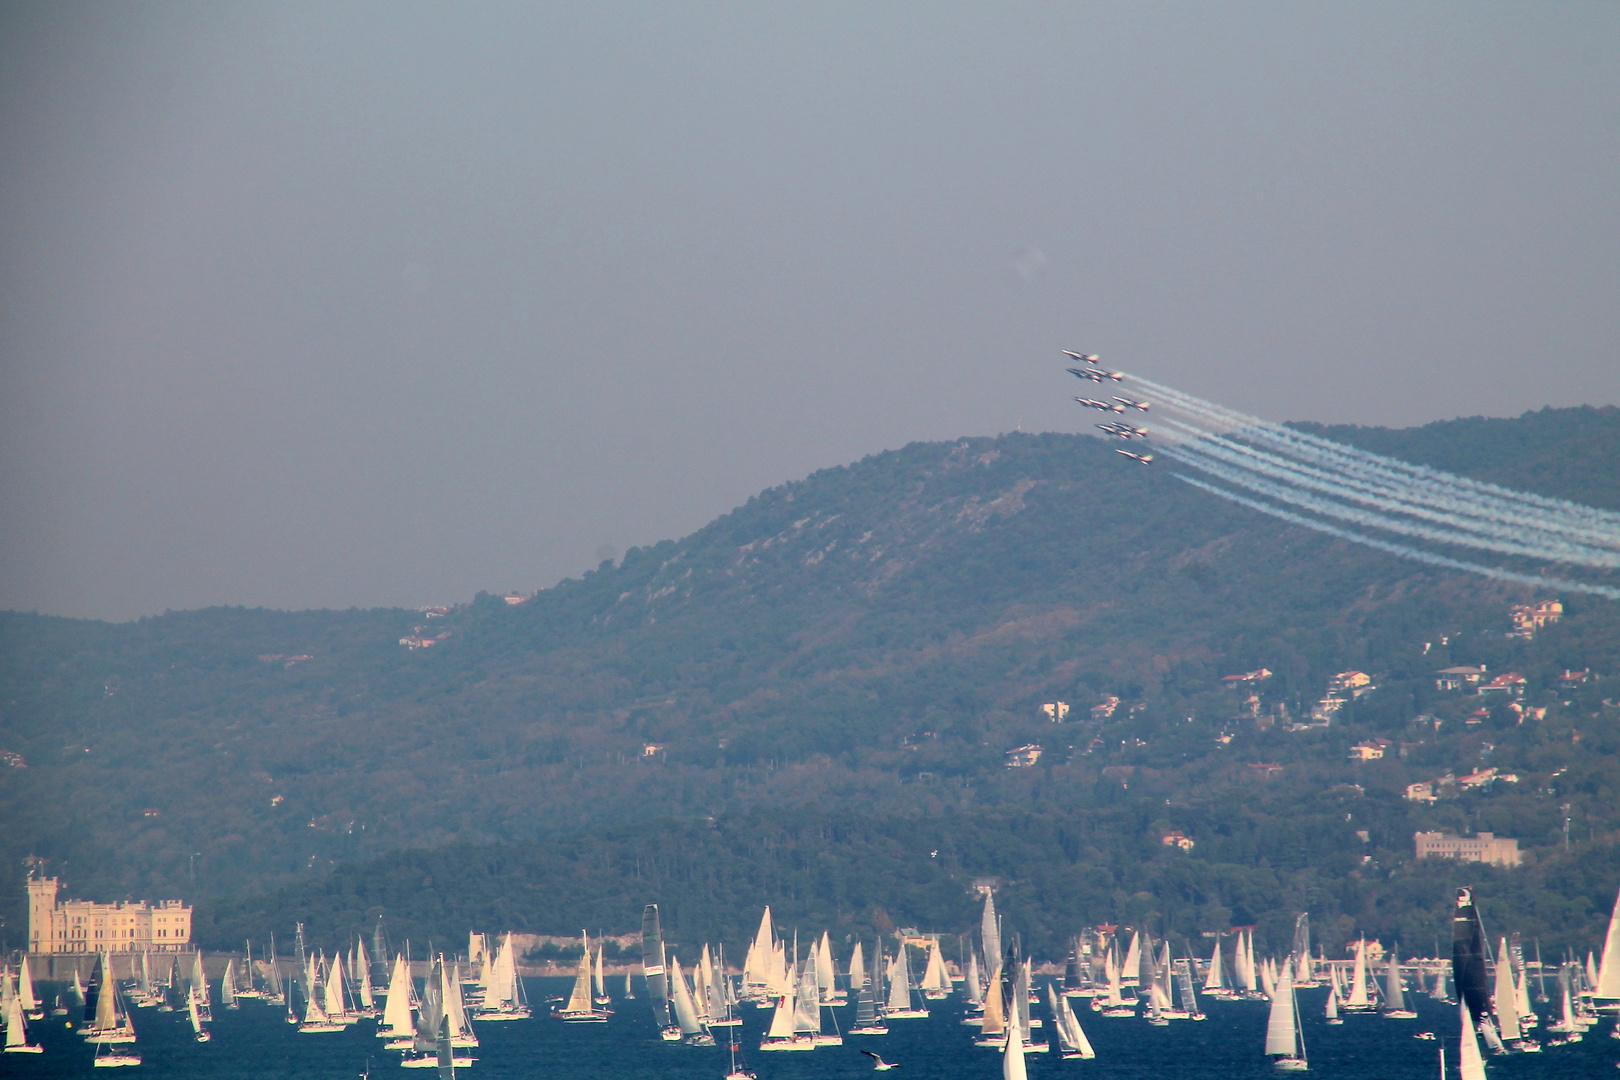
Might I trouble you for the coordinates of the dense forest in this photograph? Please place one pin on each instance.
(801, 700)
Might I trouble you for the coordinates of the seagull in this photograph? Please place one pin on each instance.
(878, 1063)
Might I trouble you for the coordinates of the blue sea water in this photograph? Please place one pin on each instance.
(255, 1043)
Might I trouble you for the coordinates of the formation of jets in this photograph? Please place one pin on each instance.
(1119, 429)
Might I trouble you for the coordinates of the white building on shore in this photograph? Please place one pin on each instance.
(80, 926)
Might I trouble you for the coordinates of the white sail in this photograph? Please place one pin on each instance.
(1503, 1000)
(16, 1025)
(191, 1009)
(685, 1013)
(362, 974)
(1214, 980)
(1249, 967)
(1607, 983)
(970, 985)
(396, 1017)
(1012, 1057)
(935, 979)
(857, 969)
(761, 955)
(336, 1003)
(600, 972)
(1072, 1036)
(1358, 982)
(25, 988)
(989, 930)
(1331, 1009)
(580, 1000)
(899, 983)
(1131, 971)
(782, 1020)
(1282, 1026)
(1470, 1064)
(824, 968)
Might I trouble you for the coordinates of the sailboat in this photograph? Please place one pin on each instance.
(227, 985)
(692, 1029)
(1470, 1063)
(315, 1019)
(781, 1035)
(736, 1072)
(581, 1009)
(1115, 1003)
(900, 1006)
(653, 969)
(432, 1047)
(1012, 1053)
(973, 991)
(199, 982)
(112, 1023)
(993, 1029)
(1331, 1010)
(503, 990)
(1189, 992)
(868, 1021)
(629, 993)
(936, 984)
(1394, 997)
(1214, 980)
(198, 1032)
(1284, 1042)
(17, 1027)
(1359, 1001)
(760, 980)
(397, 1007)
(1070, 1037)
(32, 1007)
(113, 1026)
(1606, 987)
(719, 1009)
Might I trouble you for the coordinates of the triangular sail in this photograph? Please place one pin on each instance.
(899, 982)
(934, 977)
(652, 964)
(396, 1017)
(1132, 970)
(1012, 1057)
(685, 1013)
(758, 965)
(1607, 984)
(1394, 998)
(782, 1020)
(1281, 1025)
(866, 993)
(1505, 998)
(1358, 982)
(990, 929)
(1470, 1063)
(580, 999)
(106, 1000)
(995, 1019)
(1214, 980)
(970, 985)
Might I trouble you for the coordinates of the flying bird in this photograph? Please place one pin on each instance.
(878, 1064)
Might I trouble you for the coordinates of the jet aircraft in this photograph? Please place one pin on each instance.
(1145, 459)
(1090, 358)
(1094, 374)
(1133, 404)
(1124, 431)
(1116, 376)
(1105, 406)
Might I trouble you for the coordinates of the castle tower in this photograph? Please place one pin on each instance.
(41, 908)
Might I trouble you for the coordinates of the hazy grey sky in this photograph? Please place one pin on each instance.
(332, 304)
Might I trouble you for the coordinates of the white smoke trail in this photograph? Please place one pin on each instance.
(1487, 497)
(1475, 532)
(1404, 550)
(1190, 453)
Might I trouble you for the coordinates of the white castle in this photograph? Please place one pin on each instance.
(80, 926)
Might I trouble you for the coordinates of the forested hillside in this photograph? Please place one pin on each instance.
(852, 655)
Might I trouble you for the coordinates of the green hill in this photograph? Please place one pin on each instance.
(857, 650)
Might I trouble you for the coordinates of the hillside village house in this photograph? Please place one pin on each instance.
(1528, 618)
(1511, 683)
(1456, 678)
(1482, 848)
(80, 926)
